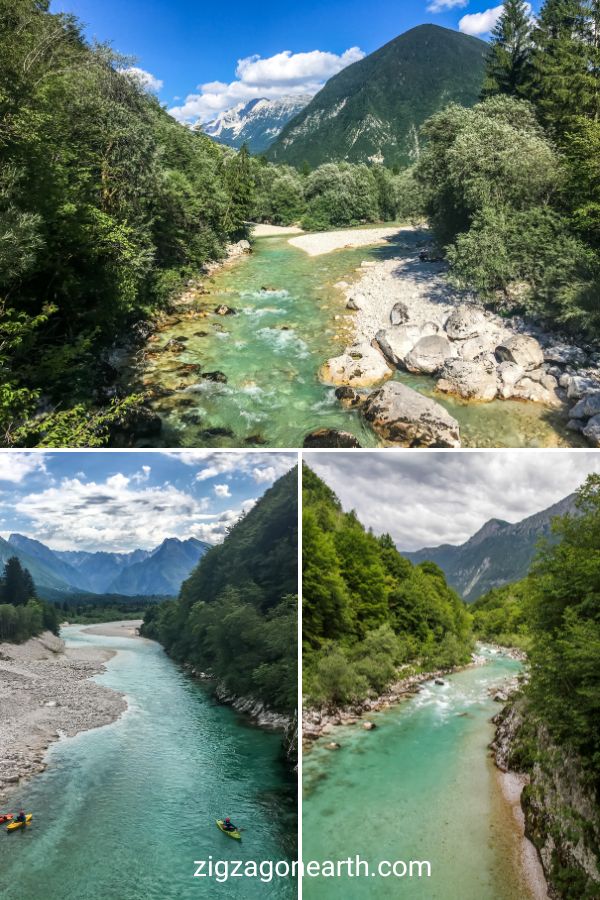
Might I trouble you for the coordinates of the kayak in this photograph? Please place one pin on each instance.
(6, 818)
(232, 834)
(14, 825)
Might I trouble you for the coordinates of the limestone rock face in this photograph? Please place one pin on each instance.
(471, 380)
(361, 366)
(429, 354)
(402, 416)
(523, 350)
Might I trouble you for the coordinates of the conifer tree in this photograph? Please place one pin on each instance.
(17, 583)
(509, 60)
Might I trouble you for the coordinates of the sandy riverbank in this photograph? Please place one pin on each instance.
(327, 241)
(46, 692)
(511, 786)
(129, 628)
(275, 230)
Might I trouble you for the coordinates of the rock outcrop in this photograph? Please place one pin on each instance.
(404, 417)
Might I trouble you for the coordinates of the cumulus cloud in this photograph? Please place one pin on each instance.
(482, 22)
(427, 499)
(222, 490)
(440, 5)
(121, 514)
(16, 466)
(146, 79)
(262, 467)
(271, 77)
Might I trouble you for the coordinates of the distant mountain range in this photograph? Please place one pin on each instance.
(499, 553)
(140, 573)
(373, 109)
(256, 123)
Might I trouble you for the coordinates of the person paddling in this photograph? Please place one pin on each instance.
(228, 825)
(21, 817)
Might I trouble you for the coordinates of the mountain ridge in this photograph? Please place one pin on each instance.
(256, 123)
(498, 553)
(372, 110)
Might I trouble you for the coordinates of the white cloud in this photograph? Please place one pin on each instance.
(146, 79)
(440, 5)
(119, 514)
(222, 490)
(262, 467)
(480, 23)
(15, 466)
(272, 77)
(424, 499)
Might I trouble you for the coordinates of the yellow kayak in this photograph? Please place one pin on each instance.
(14, 825)
(232, 834)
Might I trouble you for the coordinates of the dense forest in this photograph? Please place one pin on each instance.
(366, 609)
(511, 187)
(236, 615)
(22, 613)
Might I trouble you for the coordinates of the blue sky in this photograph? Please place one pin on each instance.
(185, 44)
(121, 501)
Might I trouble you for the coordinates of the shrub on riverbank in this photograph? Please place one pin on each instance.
(366, 609)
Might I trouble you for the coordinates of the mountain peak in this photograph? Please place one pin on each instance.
(255, 123)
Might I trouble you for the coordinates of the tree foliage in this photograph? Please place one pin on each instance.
(366, 609)
(236, 616)
(22, 615)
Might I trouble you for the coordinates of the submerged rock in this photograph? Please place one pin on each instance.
(224, 310)
(348, 397)
(330, 438)
(402, 416)
(217, 376)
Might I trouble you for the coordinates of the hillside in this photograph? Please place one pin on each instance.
(373, 109)
(139, 573)
(236, 615)
(366, 609)
(256, 124)
(498, 554)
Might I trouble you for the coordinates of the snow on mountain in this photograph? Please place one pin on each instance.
(256, 123)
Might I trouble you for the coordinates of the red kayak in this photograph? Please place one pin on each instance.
(7, 818)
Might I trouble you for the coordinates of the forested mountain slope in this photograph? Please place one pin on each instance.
(236, 615)
(374, 108)
(366, 608)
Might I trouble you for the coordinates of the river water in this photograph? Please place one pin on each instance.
(271, 351)
(421, 786)
(123, 811)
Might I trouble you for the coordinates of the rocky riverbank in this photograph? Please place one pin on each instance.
(46, 693)
(322, 722)
(408, 317)
(555, 799)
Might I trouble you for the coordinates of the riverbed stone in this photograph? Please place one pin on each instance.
(523, 350)
(509, 373)
(469, 379)
(579, 385)
(330, 438)
(348, 397)
(360, 366)
(564, 355)
(476, 347)
(428, 354)
(527, 389)
(396, 343)
(587, 407)
(465, 322)
(592, 431)
(402, 416)
(399, 314)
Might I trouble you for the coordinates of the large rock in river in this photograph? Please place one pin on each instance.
(403, 416)
(396, 343)
(360, 366)
(469, 379)
(523, 350)
(329, 437)
(429, 354)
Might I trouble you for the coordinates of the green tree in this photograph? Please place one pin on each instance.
(509, 58)
(17, 584)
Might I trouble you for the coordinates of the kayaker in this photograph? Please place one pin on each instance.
(21, 817)
(229, 826)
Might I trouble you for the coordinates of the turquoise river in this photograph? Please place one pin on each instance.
(124, 811)
(421, 786)
(290, 319)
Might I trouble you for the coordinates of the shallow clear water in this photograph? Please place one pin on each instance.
(271, 353)
(419, 787)
(123, 811)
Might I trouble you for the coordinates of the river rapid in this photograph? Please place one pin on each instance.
(290, 319)
(421, 786)
(125, 810)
